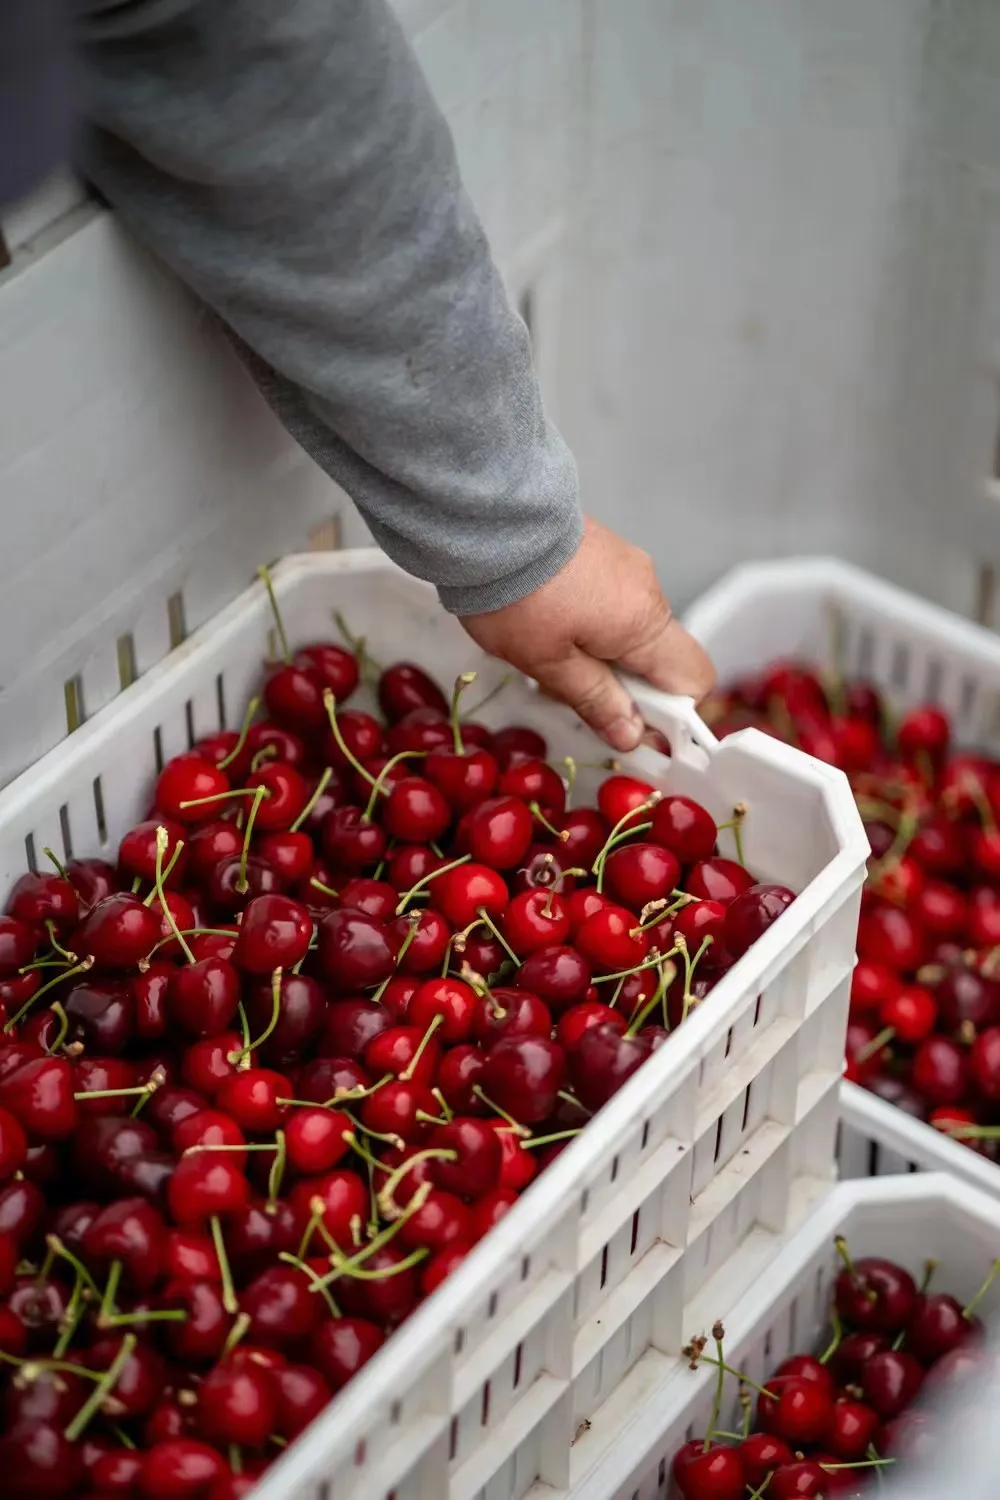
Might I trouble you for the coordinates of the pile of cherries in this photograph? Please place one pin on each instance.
(924, 1029)
(824, 1427)
(266, 1080)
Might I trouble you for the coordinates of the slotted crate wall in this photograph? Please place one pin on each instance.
(760, 252)
(727, 1134)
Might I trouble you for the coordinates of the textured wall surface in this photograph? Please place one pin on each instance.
(760, 245)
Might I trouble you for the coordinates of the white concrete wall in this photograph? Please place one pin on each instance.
(762, 247)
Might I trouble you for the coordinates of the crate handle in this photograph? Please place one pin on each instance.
(676, 717)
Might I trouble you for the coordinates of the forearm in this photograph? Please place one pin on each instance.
(289, 163)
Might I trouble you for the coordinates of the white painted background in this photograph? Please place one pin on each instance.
(762, 245)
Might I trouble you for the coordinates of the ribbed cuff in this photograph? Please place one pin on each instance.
(486, 598)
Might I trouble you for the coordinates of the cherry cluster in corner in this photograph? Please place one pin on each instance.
(827, 1426)
(924, 1029)
(268, 1077)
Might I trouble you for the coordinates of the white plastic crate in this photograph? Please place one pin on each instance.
(728, 1129)
(909, 1219)
(915, 652)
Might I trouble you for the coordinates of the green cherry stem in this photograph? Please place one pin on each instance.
(64, 974)
(718, 1334)
(277, 1171)
(316, 1283)
(166, 875)
(411, 933)
(63, 1019)
(162, 840)
(330, 704)
(837, 1334)
(378, 785)
(242, 1057)
(386, 1198)
(562, 834)
(260, 793)
(353, 1265)
(101, 1391)
(408, 1071)
(521, 1130)
(229, 1301)
(241, 738)
(264, 574)
(425, 881)
(488, 921)
(668, 973)
(59, 866)
(321, 786)
(237, 1333)
(550, 1140)
(107, 1309)
(495, 692)
(970, 1307)
(463, 681)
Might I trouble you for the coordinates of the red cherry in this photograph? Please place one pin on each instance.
(534, 780)
(178, 1468)
(342, 1346)
(523, 1075)
(620, 795)
(360, 733)
(799, 1411)
(611, 940)
(204, 1186)
(344, 1198)
(507, 1012)
(890, 1381)
(536, 919)
(579, 1019)
(251, 1097)
(452, 999)
(314, 1140)
(890, 937)
(464, 778)
(801, 1480)
(355, 951)
(499, 832)
(761, 1453)
(13, 1145)
(237, 1404)
(751, 913)
(560, 976)
(188, 780)
(39, 1094)
(639, 873)
(924, 731)
(517, 742)
(426, 948)
(275, 934)
(714, 1473)
(463, 893)
(460, 1070)
(117, 932)
(39, 1461)
(685, 828)
(940, 1071)
(911, 1013)
(440, 1267)
(404, 686)
(301, 1394)
(852, 1431)
(202, 997)
(718, 879)
(37, 899)
(476, 1167)
(280, 1306)
(294, 696)
(488, 1210)
(415, 812)
(583, 834)
(603, 1060)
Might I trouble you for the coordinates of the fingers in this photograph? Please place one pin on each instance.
(671, 660)
(592, 689)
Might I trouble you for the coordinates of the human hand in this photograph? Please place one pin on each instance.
(605, 606)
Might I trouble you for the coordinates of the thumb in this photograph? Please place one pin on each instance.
(591, 688)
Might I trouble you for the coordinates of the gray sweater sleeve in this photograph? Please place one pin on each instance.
(285, 157)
